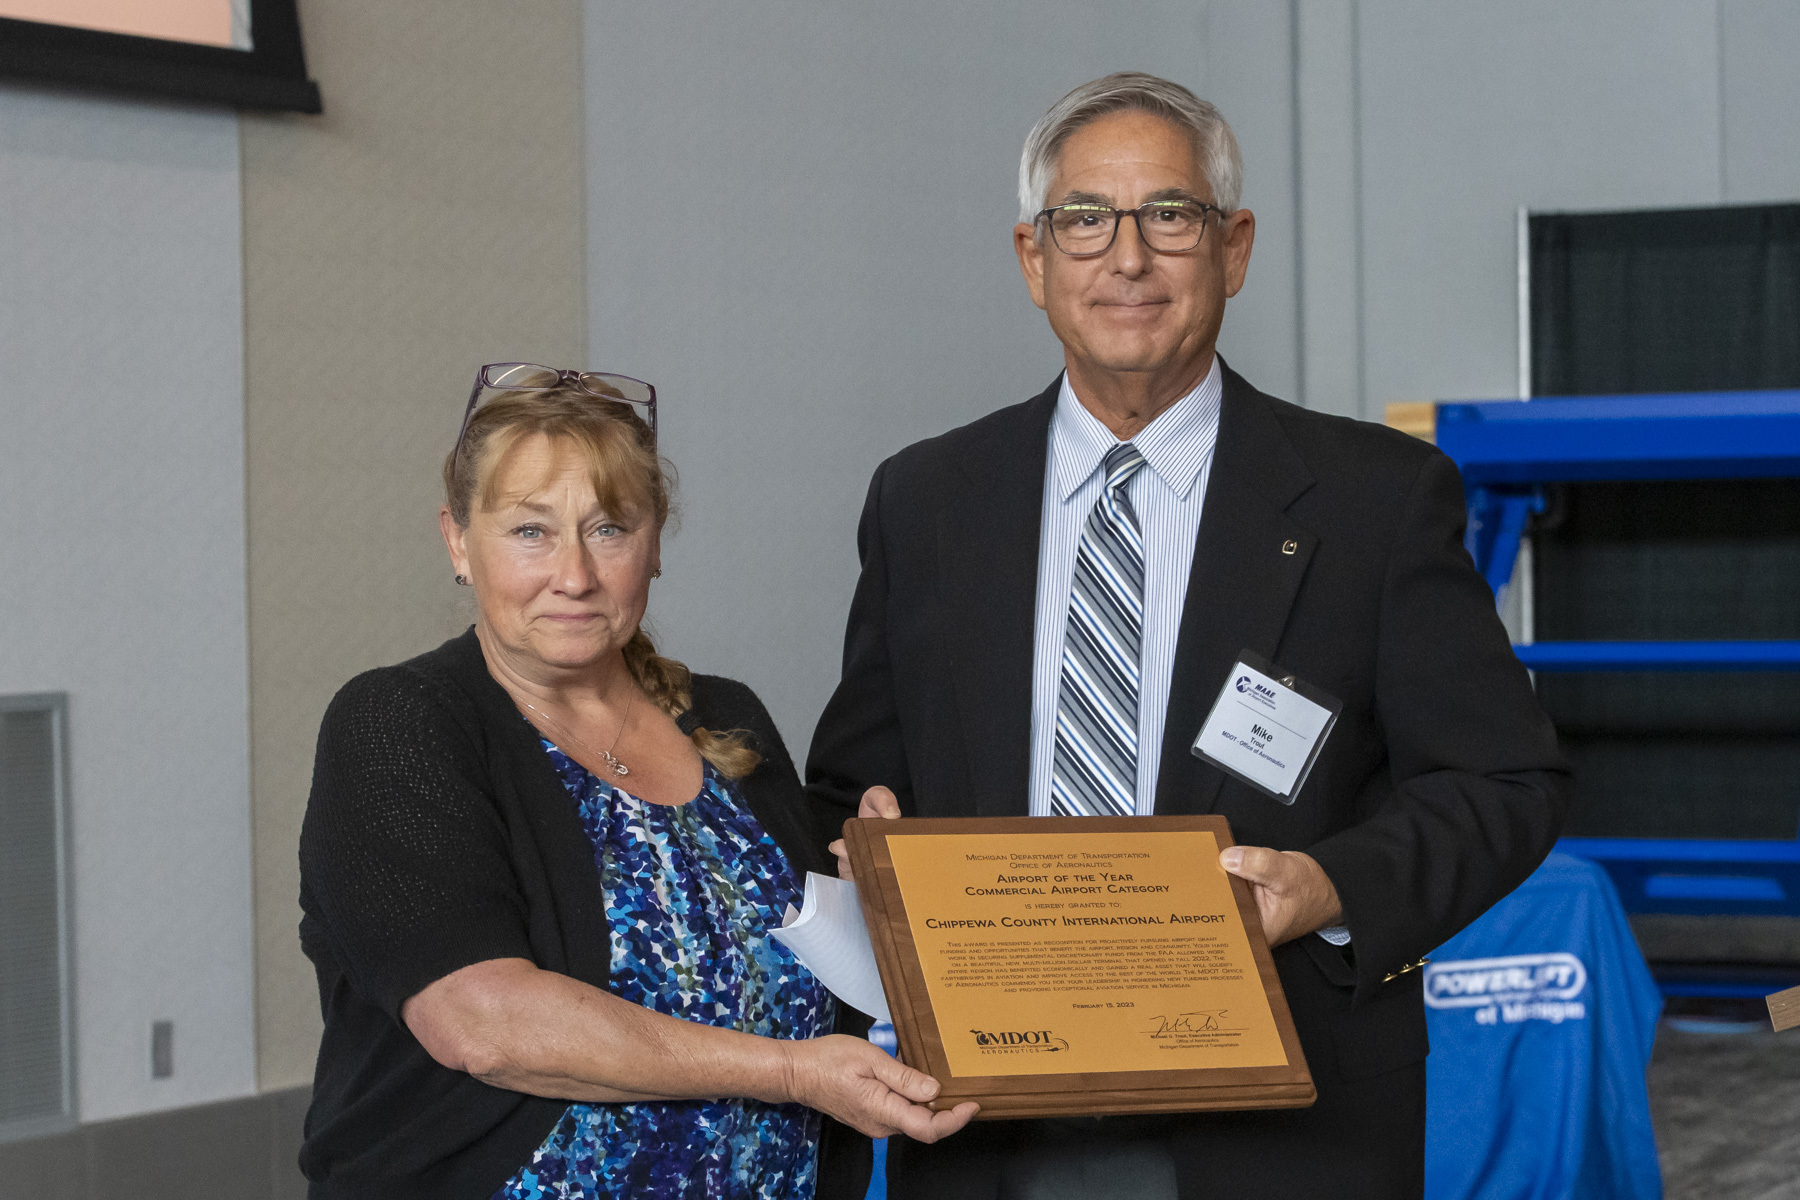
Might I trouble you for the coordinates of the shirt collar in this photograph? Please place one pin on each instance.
(1175, 445)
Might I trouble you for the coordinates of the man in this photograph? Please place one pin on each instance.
(1053, 596)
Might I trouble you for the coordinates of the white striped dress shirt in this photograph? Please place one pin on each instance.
(1178, 449)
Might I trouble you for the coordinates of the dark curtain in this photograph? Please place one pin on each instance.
(1690, 300)
(1675, 754)
(1681, 300)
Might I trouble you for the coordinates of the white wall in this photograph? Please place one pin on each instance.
(1470, 111)
(801, 220)
(122, 563)
(1247, 69)
(1759, 47)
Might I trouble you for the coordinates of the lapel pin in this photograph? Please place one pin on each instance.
(1289, 546)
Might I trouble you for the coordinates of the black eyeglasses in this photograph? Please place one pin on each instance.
(1166, 226)
(530, 377)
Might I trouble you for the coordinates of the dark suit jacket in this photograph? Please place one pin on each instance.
(1439, 790)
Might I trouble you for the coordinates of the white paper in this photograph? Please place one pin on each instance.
(1263, 730)
(829, 938)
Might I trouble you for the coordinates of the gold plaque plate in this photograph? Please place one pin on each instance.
(1050, 966)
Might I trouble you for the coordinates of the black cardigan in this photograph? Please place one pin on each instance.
(437, 835)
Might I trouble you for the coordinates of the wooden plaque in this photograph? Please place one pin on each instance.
(1784, 1007)
(1057, 966)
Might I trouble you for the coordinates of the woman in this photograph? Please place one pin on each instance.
(539, 865)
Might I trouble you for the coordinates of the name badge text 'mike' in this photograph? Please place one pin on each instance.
(1264, 731)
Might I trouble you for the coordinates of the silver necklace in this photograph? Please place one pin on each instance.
(612, 762)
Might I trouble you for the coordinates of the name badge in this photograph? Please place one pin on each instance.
(1267, 727)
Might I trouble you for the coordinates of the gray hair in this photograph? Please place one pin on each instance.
(1129, 91)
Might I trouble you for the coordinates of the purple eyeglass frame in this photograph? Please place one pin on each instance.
(576, 378)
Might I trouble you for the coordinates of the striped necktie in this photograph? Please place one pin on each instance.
(1095, 772)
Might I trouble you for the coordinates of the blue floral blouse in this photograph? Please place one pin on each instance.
(691, 893)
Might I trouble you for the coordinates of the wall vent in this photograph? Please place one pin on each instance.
(37, 1092)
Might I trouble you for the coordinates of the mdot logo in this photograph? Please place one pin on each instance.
(1018, 1041)
(1522, 987)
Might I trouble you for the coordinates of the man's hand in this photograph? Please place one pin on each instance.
(1293, 893)
(876, 802)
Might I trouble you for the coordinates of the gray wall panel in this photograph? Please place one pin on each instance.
(1760, 56)
(122, 552)
(37, 1092)
(1327, 206)
(1249, 75)
(243, 1149)
(1468, 112)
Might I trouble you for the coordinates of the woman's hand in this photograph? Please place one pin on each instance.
(847, 1078)
(876, 802)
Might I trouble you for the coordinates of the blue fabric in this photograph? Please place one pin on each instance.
(1542, 1014)
(881, 1036)
(691, 892)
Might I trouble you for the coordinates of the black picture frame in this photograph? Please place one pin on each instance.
(270, 76)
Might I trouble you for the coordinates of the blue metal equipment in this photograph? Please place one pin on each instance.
(1508, 452)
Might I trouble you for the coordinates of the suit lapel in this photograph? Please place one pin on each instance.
(1242, 584)
(988, 534)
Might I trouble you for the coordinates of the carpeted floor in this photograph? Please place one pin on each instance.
(1727, 1113)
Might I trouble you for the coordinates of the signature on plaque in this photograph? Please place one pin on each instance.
(1203, 1020)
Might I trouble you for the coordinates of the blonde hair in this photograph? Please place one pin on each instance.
(629, 478)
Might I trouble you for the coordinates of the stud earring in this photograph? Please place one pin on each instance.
(463, 580)
(656, 574)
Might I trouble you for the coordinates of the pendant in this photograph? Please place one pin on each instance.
(618, 768)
